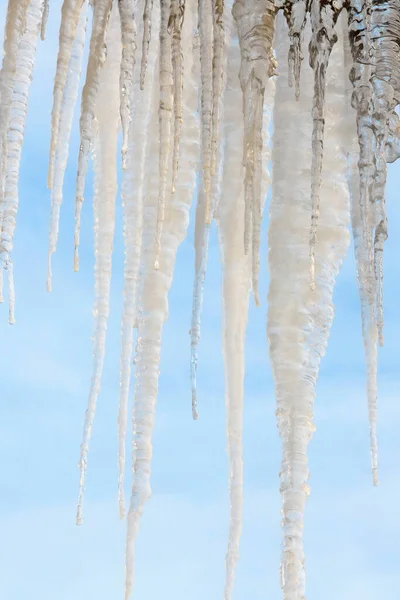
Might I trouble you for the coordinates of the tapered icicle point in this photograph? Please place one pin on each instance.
(206, 69)
(255, 22)
(133, 190)
(105, 189)
(295, 12)
(127, 12)
(323, 21)
(175, 29)
(165, 121)
(45, 17)
(97, 58)
(147, 12)
(69, 21)
(154, 288)
(70, 95)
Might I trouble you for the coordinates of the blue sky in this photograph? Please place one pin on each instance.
(352, 530)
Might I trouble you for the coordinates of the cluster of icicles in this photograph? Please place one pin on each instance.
(194, 87)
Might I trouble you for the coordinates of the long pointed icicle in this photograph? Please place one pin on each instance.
(24, 63)
(97, 58)
(165, 120)
(202, 232)
(70, 96)
(175, 28)
(69, 21)
(127, 12)
(154, 289)
(255, 22)
(147, 16)
(104, 193)
(298, 319)
(133, 189)
(323, 21)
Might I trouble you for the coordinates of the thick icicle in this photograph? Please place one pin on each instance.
(298, 319)
(295, 12)
(375, 76)
(127, 12)
(175, 28)
(97, 58)
(324, 16)
(45, 17)
(70, 96)
(69, 21)
(148, 9)
(104, 193)
(13, 137)
(165, 120)
(154, 287)
(206, 68)
(255, 22)
(202, 232)
(133, 184)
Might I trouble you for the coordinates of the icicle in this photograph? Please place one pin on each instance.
(23, 61)
(97, 58)
(202, 233)
(70, 96)
(104, 193)
(165, 118)
(298, 319)
(154, 287)
(45, 17)
(206, 63)
(132, 199)
(323, 21)
(217, 66)
(255, 22)
(175, 27)
(295, 12)
(148, 9)
(127, 11)
(69, 20)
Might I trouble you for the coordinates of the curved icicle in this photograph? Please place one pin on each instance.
(16, 77)
(147, 12)
(299, 320)
(323, 21)
(127, 13)
(104, 193)
(175, 28)
(255, 22)
(133, 190)
(154, 288)
(70, 95)
(70, 12)
(165, 120)
(97, 58)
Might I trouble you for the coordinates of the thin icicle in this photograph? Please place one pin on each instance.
(165, 120)
(133, 184)
(295, 12)
(69, 21)
(23, 60)
(154, 288)
(127, 12)
(148, 9)
(175, 28)
(323, 21)
(97, 58)
(255, 22)
(217, 66)
(299, 320)
(45, 17)
(202, 233)
(104, 193)
(70, 96)
(206, 63)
